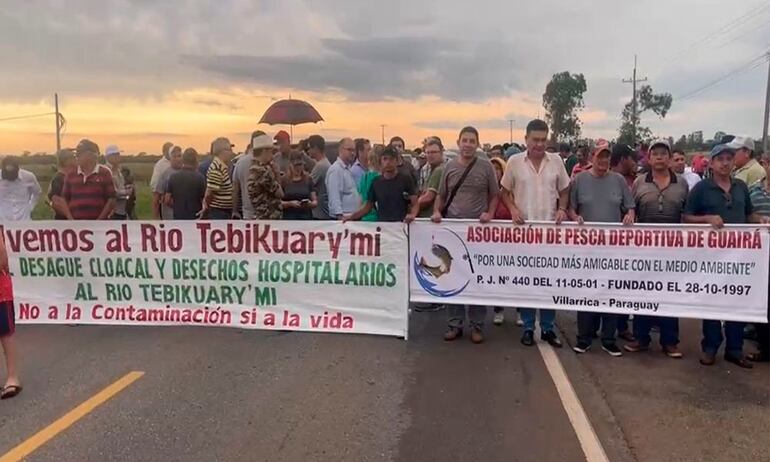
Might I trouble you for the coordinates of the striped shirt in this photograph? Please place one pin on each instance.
(760, 198)
(219, 182)
(87, 194)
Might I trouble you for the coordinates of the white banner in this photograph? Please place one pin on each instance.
(678, 271)
(282, 275)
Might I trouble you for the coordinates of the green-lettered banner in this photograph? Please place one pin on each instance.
(282, 275)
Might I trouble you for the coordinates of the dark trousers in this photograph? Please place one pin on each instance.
(763, 333)
(669, 329)
(587, 327)
(623, 322)
(219, 214)
(712, 337)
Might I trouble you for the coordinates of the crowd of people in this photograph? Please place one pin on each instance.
(274, 180)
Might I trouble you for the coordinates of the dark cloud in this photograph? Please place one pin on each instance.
(378, 68)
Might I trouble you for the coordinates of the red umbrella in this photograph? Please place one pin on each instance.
(290, 112)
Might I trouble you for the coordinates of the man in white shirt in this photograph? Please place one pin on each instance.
(19, 191)
(536, 187)
(679, 165)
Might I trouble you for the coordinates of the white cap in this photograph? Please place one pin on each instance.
(261, 142)
(741, 141)
(111, 150)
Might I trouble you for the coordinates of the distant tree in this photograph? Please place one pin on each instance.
(26, 154)
(562, 100)
(141, 154)
(681, 143)
(646, 101)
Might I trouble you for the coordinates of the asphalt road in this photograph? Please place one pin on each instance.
(229, 395)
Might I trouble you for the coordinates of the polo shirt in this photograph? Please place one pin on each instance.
(536, 192)
(219, 182)
(86, 194)
(707, 198)
(760, 198)
(750, 173)
(655, 205)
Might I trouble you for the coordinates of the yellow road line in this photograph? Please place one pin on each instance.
(40, 438)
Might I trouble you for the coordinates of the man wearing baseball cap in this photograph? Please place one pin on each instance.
(89, 191)
(283, 143)
(218, 201)
(719, 200)
(112, 156)
(660, 196)
(747, 168)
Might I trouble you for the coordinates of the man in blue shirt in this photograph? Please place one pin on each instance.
(717, 201)
(340, 185)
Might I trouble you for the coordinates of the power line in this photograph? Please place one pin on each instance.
(751, 65)
(31, 116)
(741, 35)
(711, 36)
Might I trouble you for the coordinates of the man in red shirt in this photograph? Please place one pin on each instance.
(89, 191)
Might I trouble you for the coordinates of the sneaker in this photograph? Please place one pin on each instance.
(551, 338)
(499, 318)
(528, 339)
(635, 347)
(519, 322)
(672, 352)
(612, 350)
(581, 347)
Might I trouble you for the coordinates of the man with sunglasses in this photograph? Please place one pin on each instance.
(660, 196)
(719, 200)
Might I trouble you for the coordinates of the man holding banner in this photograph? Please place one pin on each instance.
(660, 196)
(533, 184)
(719, 200)
(601, 196)
(468, 189)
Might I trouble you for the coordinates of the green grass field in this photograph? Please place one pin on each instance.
(142, 172)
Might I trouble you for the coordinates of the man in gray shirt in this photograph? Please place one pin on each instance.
(315, 149)
(602, 196)
(475, 197)
(340, 185)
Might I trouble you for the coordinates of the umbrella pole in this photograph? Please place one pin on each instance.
(291, 133)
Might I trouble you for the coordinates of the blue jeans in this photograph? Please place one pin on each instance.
(669, 329)
(712, 337)
(546, 319)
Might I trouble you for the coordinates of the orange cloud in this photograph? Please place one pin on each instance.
(195, 117)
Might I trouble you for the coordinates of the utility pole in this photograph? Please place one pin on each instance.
(383, 134)
(765, 141)
(58, 122)
(633, 82)
(510, 121)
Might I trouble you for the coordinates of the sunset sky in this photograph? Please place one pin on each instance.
(141, 72)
